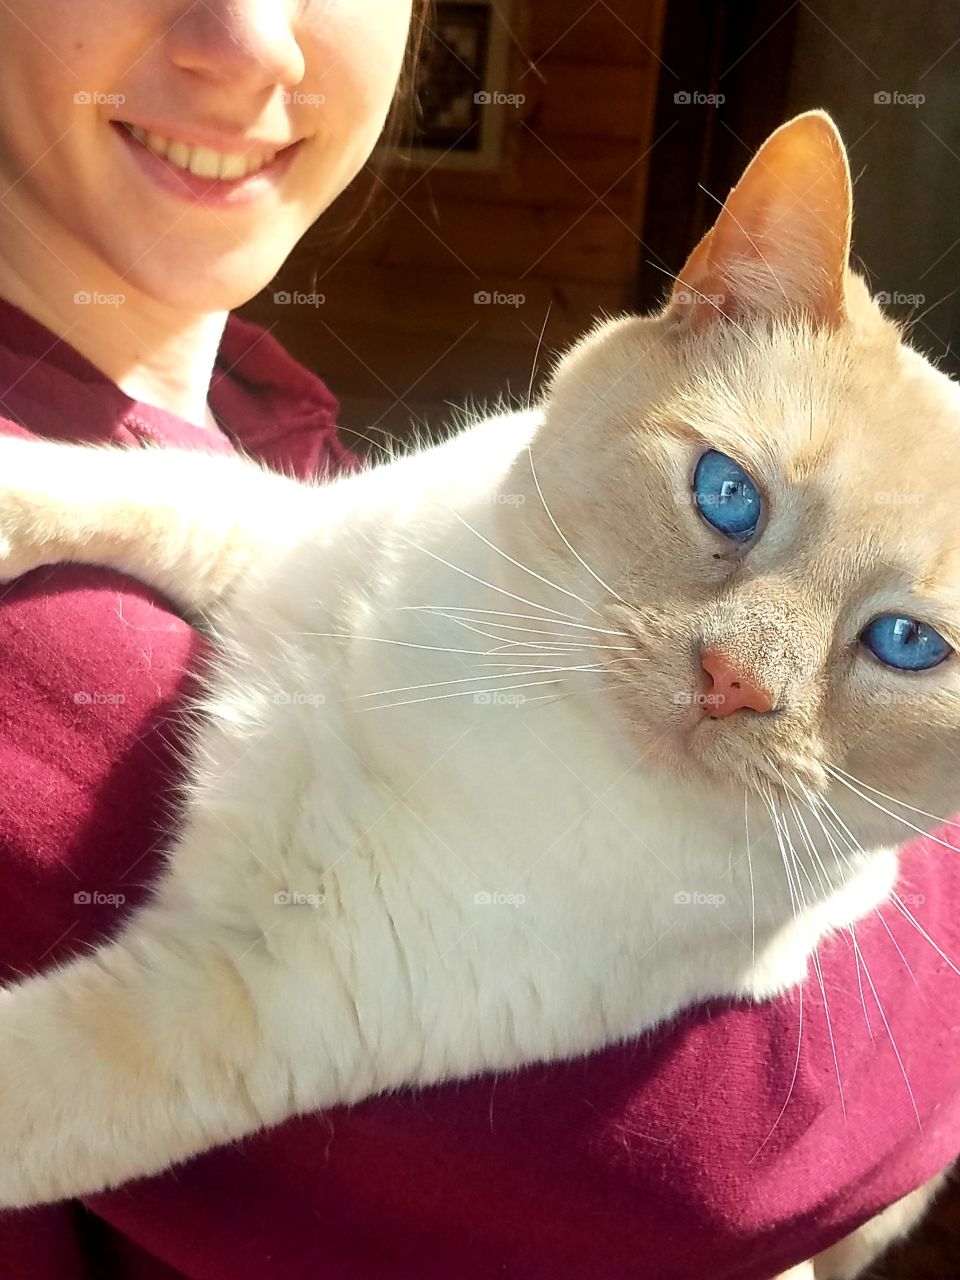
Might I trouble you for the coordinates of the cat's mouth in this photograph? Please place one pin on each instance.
(753, 750)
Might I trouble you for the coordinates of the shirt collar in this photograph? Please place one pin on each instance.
(267, 403)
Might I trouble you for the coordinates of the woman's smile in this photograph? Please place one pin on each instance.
(200, 173)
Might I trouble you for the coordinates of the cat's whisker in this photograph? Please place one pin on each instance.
(815, 860)
(509, 653)
(913, 321)
(556, 636)
(536, 354)
(534, 604)
(833, 817)
(862, 970)
(505, 641)
(893, 1043)
(775, 817)
(856, 850)
(815, 956)
(703, 298)
(756, 248)
(454, 608)
(815, 804)
(525, 568)
(898, 817)
(556, 645)
(563, 537)
(510, 659)
(461, 693)
(753, 892)
(908, 915)
(861, 960)
(436, 684)
(814, 807)
(403, 644)
(899, 950)
(934, 817)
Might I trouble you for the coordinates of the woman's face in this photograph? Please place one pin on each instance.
(220, 86)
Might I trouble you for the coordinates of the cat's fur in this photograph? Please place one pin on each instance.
(451, 776)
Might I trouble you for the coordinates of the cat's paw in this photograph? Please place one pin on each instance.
(28, 515)
(53, 1142)
(17, 557)
(25, 1115)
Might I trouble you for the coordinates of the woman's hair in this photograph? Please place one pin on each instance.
(402, 117)
(400, 124)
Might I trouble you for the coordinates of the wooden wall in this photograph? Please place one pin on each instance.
(399, 335)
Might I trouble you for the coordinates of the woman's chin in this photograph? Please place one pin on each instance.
(193, 283)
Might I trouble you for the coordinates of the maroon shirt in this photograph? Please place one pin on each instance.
(690, 1153)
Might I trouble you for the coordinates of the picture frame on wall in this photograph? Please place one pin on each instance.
(463, 87)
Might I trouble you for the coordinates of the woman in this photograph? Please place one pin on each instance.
(122, 252)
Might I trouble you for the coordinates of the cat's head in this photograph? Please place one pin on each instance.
(767, 481)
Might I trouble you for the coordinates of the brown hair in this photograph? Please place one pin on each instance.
(366, 188)
(402, 115)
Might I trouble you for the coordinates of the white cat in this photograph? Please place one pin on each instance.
(485, 715)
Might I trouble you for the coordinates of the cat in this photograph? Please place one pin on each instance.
(481, 716)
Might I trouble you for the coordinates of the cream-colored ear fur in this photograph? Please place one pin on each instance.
(782, 240)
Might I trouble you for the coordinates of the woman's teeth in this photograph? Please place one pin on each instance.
(202, 161)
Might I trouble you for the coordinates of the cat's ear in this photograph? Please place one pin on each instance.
(781, 243)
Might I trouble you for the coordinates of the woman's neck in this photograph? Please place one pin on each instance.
(154, 353)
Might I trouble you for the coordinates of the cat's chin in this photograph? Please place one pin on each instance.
(725, 752)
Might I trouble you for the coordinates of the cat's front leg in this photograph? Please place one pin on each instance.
(188, 524)
(150, 1050)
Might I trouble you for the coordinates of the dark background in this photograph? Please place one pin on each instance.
(604, 180)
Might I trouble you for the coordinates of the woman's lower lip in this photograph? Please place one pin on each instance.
(208, 191)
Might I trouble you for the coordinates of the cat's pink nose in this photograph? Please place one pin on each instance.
(731, 689)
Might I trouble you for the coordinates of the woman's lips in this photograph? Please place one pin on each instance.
(208, 191)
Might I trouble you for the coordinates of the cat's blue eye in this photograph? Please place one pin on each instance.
(726, 496)
(905, 643)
